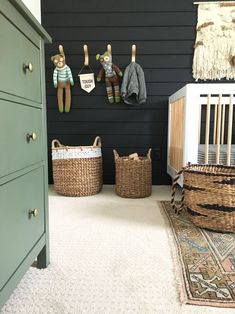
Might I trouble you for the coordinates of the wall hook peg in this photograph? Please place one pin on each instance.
(109, 48)
(133, 53)
(61, 50)
(86, 60)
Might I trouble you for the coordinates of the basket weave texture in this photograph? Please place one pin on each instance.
(77, 170)
(133, 177)
(209, 196)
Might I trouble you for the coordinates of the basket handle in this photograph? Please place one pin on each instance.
(177, 209)
(116, 156)
(55, 144)
(97, 141)
(149, 153)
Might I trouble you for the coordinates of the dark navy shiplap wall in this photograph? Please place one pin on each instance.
(163, 32)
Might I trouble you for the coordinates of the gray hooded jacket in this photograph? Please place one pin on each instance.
(133, 90)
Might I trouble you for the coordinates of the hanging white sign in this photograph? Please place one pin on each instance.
(87, 81)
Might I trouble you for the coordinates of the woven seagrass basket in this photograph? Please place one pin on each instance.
(77, 170)
(209, 196)
(133, 177)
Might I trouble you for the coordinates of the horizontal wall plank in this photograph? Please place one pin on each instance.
(121, 47)
(106, 115)
(117, 6)
(100, 89)
(123, 33)
(100, 102)
(113, 140)
(130, 19)
(151, 62)
(151, 75)
(106, 128)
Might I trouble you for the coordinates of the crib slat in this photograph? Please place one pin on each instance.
(199, 123)
(215, 124)
(176, 133)
(223, 123)
(207, 135)
(218, 130)
(230, 126)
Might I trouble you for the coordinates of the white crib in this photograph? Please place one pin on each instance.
(200, 126)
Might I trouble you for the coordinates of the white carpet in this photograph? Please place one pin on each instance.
(108, 256)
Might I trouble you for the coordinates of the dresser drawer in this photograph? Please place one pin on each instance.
(19, 230)
(16, 52)
(18, 151)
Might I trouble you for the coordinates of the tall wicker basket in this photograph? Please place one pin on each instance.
(209, 196)
(133, 177)
(77, 170)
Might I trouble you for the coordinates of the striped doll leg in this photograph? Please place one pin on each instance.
(60, 91)
(109, 90)
(67, 97)
(117, 92)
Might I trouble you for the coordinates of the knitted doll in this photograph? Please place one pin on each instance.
(62, 79)
(111, 70)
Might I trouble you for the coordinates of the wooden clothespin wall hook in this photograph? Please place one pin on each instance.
(133, 53)
(86, 60)
(109, 49)
(61, 50)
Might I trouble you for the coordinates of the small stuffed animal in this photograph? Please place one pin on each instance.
(62, 79)
(111, 70)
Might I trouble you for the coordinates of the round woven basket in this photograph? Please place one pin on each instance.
(77, 170)
(209, 196)
(133, 177)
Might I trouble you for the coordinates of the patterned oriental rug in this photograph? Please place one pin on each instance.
(206, 262)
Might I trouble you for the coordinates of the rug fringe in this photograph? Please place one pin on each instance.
(179, 280)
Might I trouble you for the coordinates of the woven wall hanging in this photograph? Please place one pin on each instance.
(214, 49)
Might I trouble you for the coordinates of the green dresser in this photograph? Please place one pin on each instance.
(23, 142)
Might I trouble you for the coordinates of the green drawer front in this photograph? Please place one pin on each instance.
(18, 232)
(17, 50)
(16, 122)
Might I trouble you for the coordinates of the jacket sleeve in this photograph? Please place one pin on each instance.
(142, 87)
(117, 69)
(124, 84)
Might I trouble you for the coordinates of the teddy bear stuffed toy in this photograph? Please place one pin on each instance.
(62, 79)
(111, 79)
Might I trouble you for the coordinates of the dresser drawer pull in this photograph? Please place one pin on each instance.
(33, 212)
(28, 67)
(32, 136)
